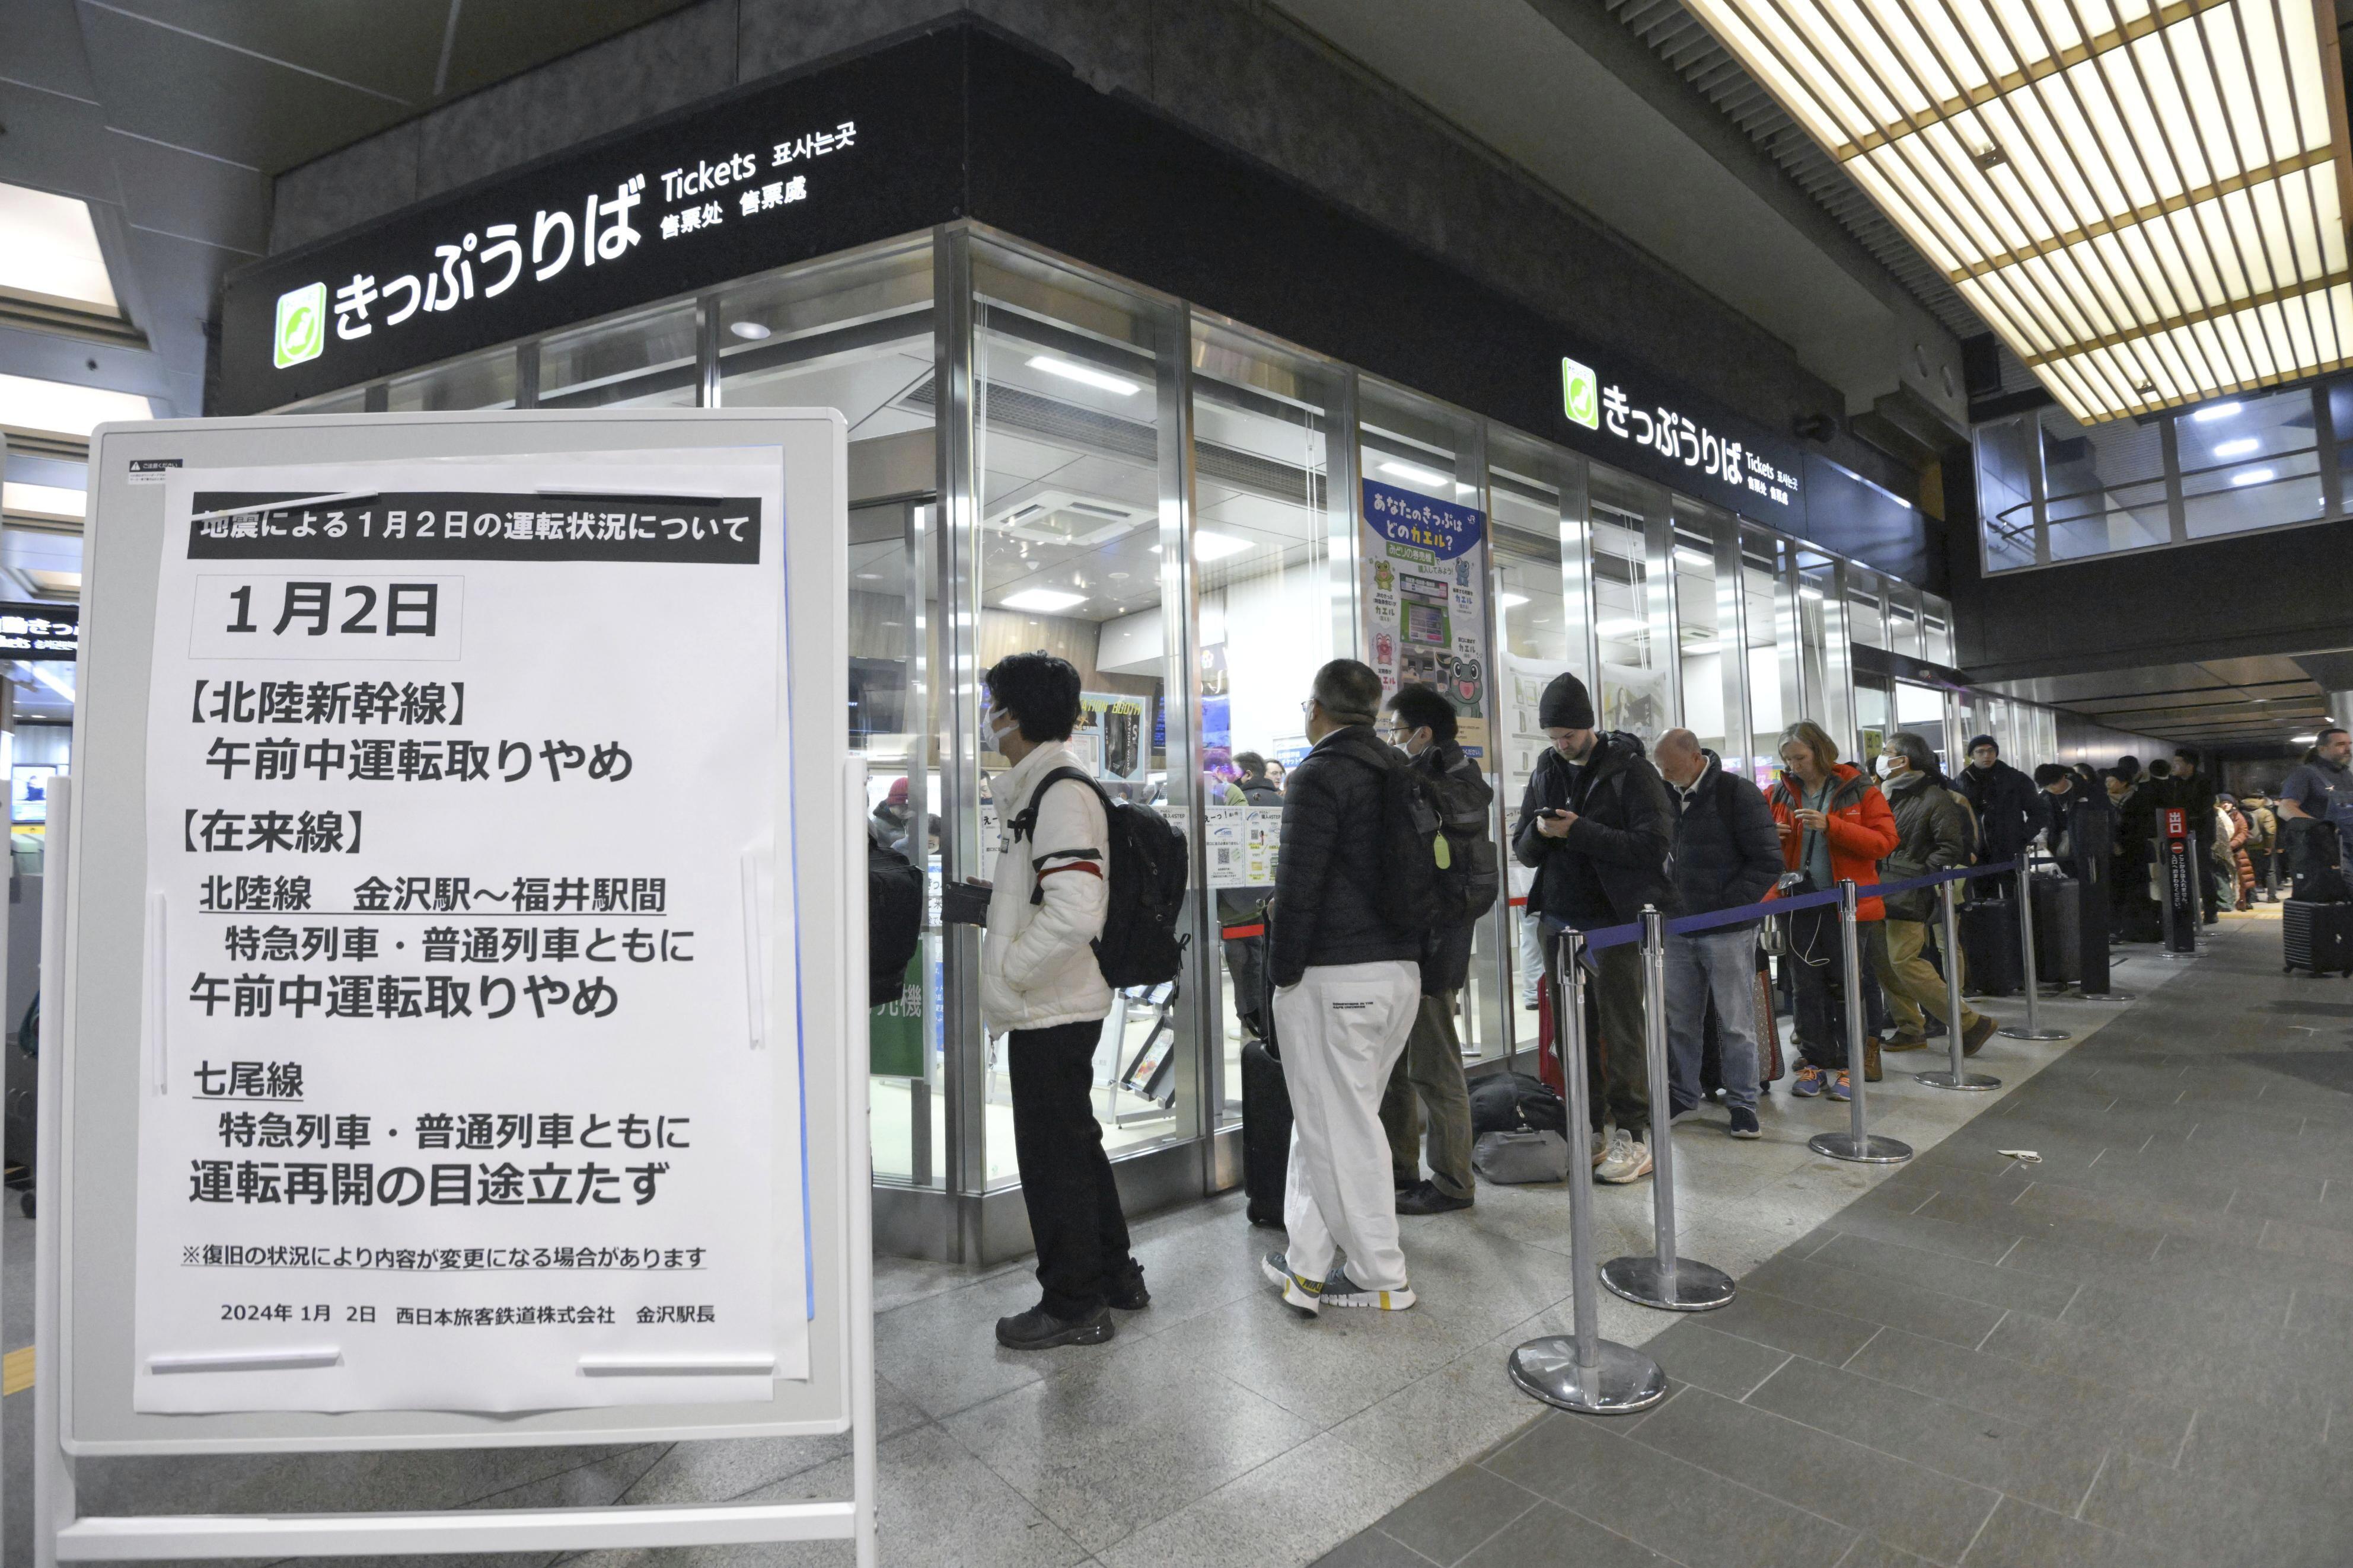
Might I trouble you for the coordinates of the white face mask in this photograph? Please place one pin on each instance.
(998, 734)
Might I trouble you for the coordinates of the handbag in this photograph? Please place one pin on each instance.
(1515, 1158)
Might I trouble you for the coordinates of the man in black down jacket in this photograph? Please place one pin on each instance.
(1728, 853)
(1596, 826)
(2004, 800)
(1347, 988)
(1421, 723)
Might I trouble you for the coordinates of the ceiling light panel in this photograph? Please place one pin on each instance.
(2147, 201)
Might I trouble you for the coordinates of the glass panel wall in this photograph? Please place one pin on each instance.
(1776, 678)
(855, 334)
(2052, 491)
(2250, 465)
(478, 381)
(643, 360)
(1424, 447)
(1633, 612)
(1266, 505)
(1710, 708)
(1068, 559)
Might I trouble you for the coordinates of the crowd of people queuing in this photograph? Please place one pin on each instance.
(1362, 992)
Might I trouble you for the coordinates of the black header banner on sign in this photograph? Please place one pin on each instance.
(791, 169)
(474, 526)
(40, 631)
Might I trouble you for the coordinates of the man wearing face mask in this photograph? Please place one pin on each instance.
(1420, 723)
(1042, 990)
(1596, 826)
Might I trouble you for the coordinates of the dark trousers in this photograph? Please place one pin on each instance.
(1821, 986)
(1066, 1183)
(1615, 1049)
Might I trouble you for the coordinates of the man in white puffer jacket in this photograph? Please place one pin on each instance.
(1040, 988)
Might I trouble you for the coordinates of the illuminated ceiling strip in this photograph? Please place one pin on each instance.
(2285, 292)
(2147, 212)
(2049, 65)
(2251, 113)
(1908, 148)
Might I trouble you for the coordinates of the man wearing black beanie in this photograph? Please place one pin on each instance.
(1595, 825)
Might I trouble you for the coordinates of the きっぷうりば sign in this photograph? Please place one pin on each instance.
(457, 1079)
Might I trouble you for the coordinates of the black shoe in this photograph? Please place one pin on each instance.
(1126, 1290)
(1040, 1329)
(1423, 1197)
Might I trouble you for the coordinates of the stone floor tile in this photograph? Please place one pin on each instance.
(1877, 1299)
(1549, 1536)
(1292, 1508)
(1447, 1522)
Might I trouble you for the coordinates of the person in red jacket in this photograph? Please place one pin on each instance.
(1835, 827)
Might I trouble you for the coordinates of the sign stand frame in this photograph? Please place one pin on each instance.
(62, 1534)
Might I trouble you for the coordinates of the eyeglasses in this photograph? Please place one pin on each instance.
(1308, 706)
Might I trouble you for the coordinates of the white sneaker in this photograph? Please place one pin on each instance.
(1339, 1290)
(1629, 1160)
(1600, 1148)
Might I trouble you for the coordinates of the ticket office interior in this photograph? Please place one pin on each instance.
(1042, 456)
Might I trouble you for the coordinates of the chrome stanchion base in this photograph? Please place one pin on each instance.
(1624, 1380)
(1699, 1287)
(1872, 1150)
(2021, 1032)
(1969, 1080)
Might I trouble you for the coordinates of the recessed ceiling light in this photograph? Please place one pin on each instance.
(2214, 411)
(1514, 601)
(1633, 626)
(53, 249)
(1209, 546)
(1102, 380)
(44, 500)
(2252, 476)
(61, 407)
(870, 576)
(753, 330)
(1043, 601)
(1416, 473)
(2238, 448)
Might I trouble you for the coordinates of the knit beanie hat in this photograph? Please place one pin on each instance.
(1565, 705)
(1985, 741)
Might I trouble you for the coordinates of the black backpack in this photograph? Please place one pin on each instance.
(894, 920)
(1410, 848)
(1514, 1102)
(1468, 876)
(1146, 877)
(2315, 865)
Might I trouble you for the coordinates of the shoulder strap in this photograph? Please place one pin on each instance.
(1025, 824)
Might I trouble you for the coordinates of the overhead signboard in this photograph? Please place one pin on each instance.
(791, 169)
(31, 631)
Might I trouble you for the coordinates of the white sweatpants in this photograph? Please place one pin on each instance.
(1341, 1029)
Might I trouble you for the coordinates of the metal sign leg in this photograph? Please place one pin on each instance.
(1958, 1077)
(1663, 1279)
(1582, 1370)
(1857, 1143)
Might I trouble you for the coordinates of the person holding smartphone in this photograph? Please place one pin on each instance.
(1835, 825)
(1596, 826)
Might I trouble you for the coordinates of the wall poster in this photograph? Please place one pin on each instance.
(1425, 598)
(462, 1034)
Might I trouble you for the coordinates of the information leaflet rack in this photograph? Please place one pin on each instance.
(810, 1021)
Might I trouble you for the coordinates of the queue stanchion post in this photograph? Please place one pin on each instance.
(1663, 1280)
(1960, 1076)
(2032, 1029)
(1581, 1371)
(1857, 1143)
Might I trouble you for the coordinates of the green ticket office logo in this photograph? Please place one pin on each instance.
(301, 325)
(1580, 392)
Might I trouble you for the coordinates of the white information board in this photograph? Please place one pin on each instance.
(458, 870)
(461, 1084)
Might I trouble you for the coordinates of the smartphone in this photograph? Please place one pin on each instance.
(1554, 812)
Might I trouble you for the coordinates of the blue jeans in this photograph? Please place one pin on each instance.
(1718, 965)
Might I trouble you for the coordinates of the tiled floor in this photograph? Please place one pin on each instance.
(2136, 1351)
(1973, 1351)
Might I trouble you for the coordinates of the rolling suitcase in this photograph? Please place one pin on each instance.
(1768, 1042)
(1266, 1132)
(2058, 930)
(2318, 937)
(1990, 944)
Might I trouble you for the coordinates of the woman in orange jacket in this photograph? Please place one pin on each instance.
(1836, 827)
